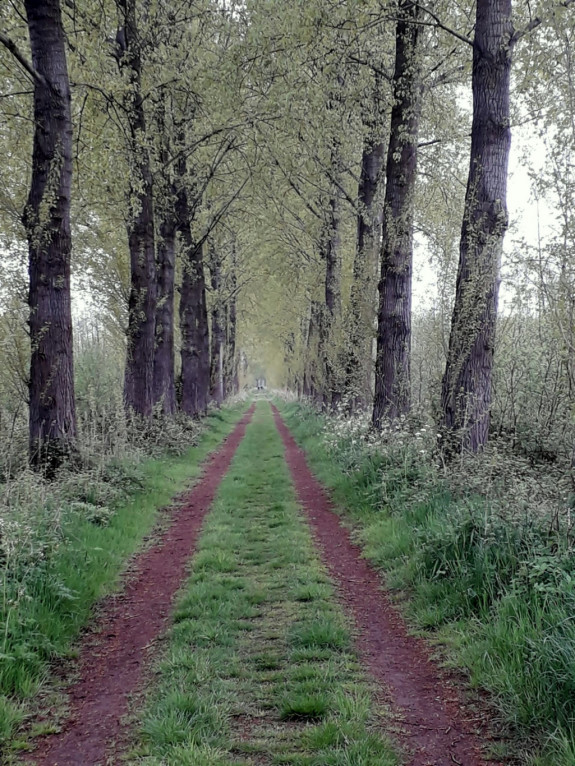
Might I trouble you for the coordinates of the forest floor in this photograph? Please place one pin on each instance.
(281, 647)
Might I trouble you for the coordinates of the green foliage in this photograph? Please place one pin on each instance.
(268, 102)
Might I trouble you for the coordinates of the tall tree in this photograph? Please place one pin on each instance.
(164, 372)
(466, 388)
(331, 314)
(218, 334)
(139, 373)
(369, 218)
(392, 370)
(231, 382)
(194, 326)
(331, 241)
(47, 221)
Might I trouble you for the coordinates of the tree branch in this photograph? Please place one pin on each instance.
(295, 188)
(440, 25)
(22, 60)
(370, 65)
(220, 214)
(536, 22)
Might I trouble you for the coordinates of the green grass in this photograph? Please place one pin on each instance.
(258, 667)
(498, 595)
(62, 588)
(304, 705)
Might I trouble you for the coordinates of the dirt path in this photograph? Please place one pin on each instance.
(436, 730)
(112, 659)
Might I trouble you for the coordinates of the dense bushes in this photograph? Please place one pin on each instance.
(483, 548)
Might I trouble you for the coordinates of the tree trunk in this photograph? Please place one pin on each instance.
(52, 424)
(218, 338)
(139, 373)
(392, 367)
(362, 299)
(235, 378)
(312, 373)
(195, 352)
(466, 390)
(164, 383)
(231, 364)
(195, 334)
(166, 191)
(331, 314)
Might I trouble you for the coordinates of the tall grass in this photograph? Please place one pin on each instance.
(484, 550)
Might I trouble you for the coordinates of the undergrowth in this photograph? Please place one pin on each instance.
(63, 544)
(482, 549)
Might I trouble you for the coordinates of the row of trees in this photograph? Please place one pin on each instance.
(164, 198)
(464, 407)
(264, 173)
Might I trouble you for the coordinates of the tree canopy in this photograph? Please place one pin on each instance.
(251, 188)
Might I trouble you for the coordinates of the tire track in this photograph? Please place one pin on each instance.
(113, 659)
(435, 727)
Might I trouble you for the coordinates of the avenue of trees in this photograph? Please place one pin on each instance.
(225, 190)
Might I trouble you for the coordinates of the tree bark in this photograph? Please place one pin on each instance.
(195, 334)
(363, 307)
(331, 313)
(466, 389)
(164, 373)
(231, 362)
(218, 335)
(392, 367)
(312, 374)
(52, 423)
(195, 351)
(139, 373)
(164, 382)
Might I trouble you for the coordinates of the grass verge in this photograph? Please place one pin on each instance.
(258, 667)
(47, 597)
(498, 593)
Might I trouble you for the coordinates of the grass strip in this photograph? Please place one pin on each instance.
(62, 589)
(258, 667)
(498, 596)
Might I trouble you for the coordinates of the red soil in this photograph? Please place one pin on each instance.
(435, 727)
(113, 659)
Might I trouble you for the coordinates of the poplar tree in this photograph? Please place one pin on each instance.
(139, 372)
(164, 387)
(366, 259)
(392, 367)
(467, 382)
(46, 218)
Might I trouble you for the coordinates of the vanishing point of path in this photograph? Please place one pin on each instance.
(284, 647)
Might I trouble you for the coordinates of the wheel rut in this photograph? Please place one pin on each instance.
(435, 727)
(113, 657)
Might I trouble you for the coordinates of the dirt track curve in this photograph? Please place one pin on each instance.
(436, 728)
(112, 659)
